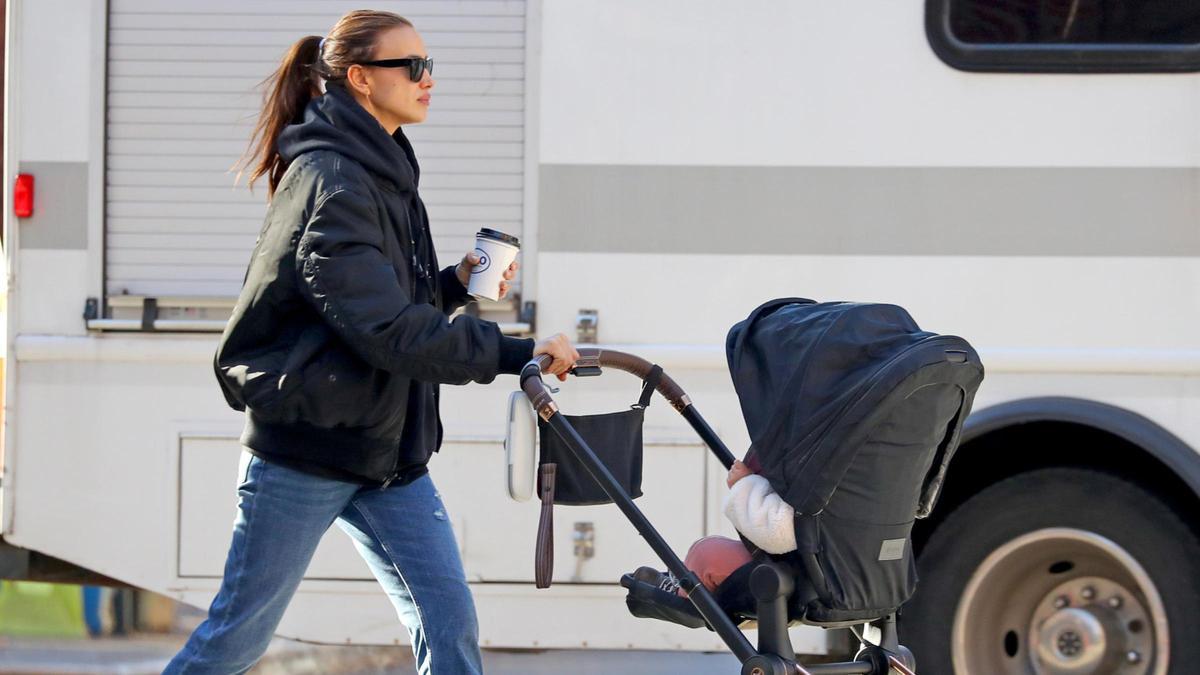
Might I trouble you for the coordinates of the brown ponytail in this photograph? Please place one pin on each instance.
(289, 89)
(297, 81)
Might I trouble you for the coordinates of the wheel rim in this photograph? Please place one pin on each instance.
(1060, 601)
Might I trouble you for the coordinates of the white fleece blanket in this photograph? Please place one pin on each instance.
(760, 514)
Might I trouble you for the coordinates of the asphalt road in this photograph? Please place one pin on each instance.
(148, 654)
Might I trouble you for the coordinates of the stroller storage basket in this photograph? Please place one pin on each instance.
(616, 438)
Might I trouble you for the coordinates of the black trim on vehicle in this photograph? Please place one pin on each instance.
(20, 564)
(1053, 58)
(1168, 448)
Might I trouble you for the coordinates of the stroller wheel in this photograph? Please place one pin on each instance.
(766, 665)
(906, 657)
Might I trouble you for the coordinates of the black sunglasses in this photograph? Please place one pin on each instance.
(416, 66)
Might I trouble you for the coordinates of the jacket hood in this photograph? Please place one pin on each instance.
(336, 122)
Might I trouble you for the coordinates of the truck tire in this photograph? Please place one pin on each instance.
(1058, 570)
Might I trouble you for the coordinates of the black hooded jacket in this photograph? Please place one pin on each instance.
(340, 337)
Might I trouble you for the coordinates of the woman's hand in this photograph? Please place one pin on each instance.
(737, 472)
(463, 271)
(559, 347)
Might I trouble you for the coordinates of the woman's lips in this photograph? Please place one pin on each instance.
(424, 100)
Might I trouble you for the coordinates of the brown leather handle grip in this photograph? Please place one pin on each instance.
(543, 361)
(596, 357)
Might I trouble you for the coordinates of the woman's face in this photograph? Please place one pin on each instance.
(388, 93)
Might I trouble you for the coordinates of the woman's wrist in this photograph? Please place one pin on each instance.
(514, 354)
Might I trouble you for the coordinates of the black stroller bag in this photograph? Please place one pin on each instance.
(616, 438)
(853, 413)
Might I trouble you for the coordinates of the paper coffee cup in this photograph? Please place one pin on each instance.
(496, 251)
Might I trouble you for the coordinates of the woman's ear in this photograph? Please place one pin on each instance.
(356, 77)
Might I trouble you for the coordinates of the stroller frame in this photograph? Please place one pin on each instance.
(769, 583)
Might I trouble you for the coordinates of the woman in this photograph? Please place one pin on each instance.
(335, 351)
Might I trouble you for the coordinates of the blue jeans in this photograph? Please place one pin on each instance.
(402, 532)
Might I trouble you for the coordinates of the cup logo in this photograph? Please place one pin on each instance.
(485, 261)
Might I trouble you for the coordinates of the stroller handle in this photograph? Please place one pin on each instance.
(592, 360)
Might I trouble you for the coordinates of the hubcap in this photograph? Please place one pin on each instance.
(1060, 602)
(1071, 641)
(1098, 625)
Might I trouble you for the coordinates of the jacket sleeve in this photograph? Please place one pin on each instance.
(343, 271)
(761, 515)
(454, 294)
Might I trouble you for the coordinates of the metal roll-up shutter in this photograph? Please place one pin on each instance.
(183, 99)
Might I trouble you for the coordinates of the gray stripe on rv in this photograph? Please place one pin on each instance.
(59, 219)
(870, 211)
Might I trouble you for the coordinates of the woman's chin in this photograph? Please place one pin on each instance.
(415, 116)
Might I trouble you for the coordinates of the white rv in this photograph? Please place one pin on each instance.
(668, 166)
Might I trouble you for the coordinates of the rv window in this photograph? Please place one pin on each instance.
(1066, 35)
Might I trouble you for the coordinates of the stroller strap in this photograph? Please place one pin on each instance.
(543, 557)
(649, 385)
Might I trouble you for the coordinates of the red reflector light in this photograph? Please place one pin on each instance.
(23, 196)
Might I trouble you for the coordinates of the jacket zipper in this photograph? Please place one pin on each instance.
(395, 465)
(417, 271)
(395, 462)
(413, 276)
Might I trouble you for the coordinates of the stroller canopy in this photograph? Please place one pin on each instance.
(816, 381)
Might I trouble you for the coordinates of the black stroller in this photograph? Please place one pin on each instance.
(853, 414)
